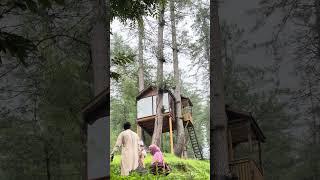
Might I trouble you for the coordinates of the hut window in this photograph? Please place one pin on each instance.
(148, 106)
(166, 102)
(154, 101)
(144, 107)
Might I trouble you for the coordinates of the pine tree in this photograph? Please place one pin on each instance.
(156, 137)
(180, 141)
(218, 119)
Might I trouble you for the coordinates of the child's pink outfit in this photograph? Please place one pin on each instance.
(156, 154)
(158, 166)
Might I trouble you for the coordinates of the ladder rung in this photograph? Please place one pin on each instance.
(194, 142)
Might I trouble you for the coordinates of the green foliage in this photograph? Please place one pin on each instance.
(181, 169)
(16, 45)
(131, 9)
(31, 5)
(122, 55)
(51, 131)
(57, 86)
(122, 58)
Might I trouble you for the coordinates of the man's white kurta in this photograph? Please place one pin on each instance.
(129, 141)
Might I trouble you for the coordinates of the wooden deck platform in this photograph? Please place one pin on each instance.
(147, 123)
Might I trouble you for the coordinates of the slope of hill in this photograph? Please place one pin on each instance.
(181, 169)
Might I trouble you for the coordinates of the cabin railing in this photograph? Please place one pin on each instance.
(246, 169)
(187, 114)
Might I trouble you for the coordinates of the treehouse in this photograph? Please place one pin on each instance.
(146, 115)
(244, 145)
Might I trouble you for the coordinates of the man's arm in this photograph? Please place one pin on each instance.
(117, 145)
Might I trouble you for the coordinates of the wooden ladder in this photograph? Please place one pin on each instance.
(194, 141)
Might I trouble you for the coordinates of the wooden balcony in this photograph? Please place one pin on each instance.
(246, 169)
(187, 116)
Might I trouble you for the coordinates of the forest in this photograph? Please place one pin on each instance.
(52, 51)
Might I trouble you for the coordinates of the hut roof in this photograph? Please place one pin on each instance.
(237, 118)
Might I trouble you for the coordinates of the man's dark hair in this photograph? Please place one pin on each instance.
(126, 125)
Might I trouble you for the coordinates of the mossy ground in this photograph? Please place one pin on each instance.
(181, 169)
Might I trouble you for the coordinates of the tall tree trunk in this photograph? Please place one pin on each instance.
(141, 68)
(317, 5)
(141, 46)
(100, 55)
(100, 38)
(180, 143)
(218, 120)
(314, 116)
(156, 137)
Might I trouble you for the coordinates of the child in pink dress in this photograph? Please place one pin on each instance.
(158, 165)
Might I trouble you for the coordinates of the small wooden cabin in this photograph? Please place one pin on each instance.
(146, 109)
(146, 115)
(244, 145)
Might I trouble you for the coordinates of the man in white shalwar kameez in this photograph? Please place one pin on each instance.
(129, 143)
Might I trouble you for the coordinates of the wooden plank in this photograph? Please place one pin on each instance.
(246, 169)
(171, 136)
(147, 118)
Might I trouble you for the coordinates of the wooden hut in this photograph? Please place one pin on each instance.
(146, 115)
(245, 138)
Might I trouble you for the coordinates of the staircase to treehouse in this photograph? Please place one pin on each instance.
(188, 123)
(194, 141)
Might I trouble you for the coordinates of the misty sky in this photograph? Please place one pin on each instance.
(236, 12)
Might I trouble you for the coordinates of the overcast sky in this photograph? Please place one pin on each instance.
(236, 12)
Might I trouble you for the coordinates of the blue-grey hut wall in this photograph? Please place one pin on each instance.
(98, 148)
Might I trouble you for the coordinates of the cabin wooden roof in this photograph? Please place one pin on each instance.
(97, 107)
(188, 99)
(239, 122)
(145, 91)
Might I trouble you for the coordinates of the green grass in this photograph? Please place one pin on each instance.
(181, 169)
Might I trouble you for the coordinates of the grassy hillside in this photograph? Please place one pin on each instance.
(181, 169)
